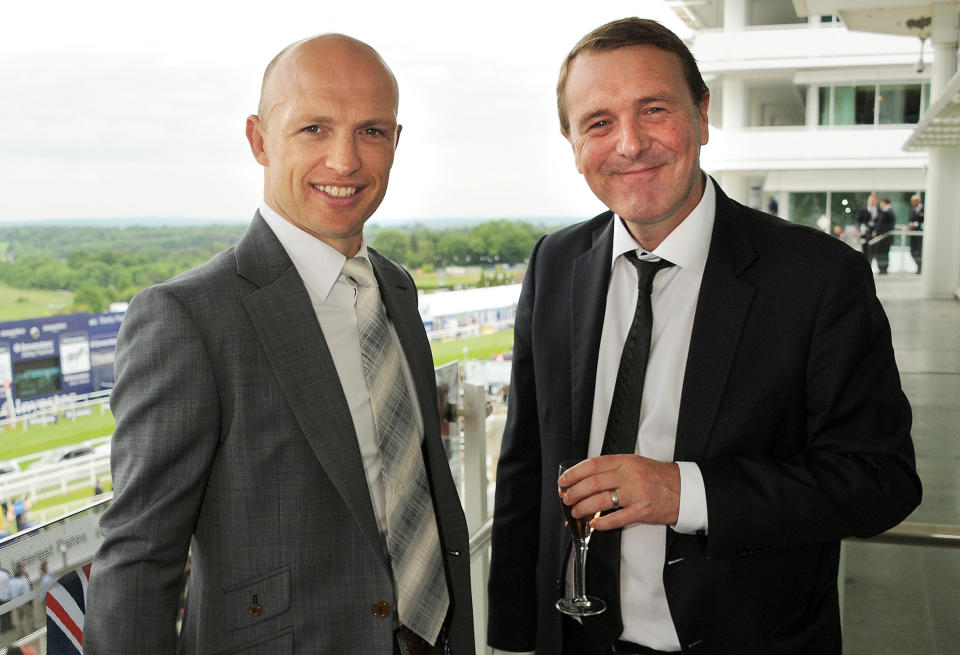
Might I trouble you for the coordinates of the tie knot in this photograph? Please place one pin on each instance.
(358, 271)
(646, 270)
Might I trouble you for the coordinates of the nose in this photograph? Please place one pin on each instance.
(631, 140)
(343, 156)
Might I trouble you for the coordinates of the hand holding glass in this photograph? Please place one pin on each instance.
(581, 604)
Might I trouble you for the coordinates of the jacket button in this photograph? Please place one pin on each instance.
(381, 609)
(255, 609)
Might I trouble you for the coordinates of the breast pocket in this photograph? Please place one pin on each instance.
(257, 599)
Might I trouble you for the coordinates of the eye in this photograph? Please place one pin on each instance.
(373, 131)
(312, 129)
(600, 124)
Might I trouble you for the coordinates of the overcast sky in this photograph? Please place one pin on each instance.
(117, 109)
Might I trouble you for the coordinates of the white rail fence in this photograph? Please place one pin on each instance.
(41, 482)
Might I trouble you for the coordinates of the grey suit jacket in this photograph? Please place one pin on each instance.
(234, 440)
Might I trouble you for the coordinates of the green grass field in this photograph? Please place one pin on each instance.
(482, 347)
(17, 442)
(432, 281)
(17, 304)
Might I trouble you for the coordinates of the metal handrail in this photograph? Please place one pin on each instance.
(919, 534)
(481, 537)
(897, 231)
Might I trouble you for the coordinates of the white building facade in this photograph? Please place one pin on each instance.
(806, 117)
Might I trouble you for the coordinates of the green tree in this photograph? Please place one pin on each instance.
(453, 248)
(91, 299)
(393, 244)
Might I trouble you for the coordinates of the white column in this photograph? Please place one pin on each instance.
(812, 118)
(734, 15)
(941, 230)
(474, 413)
(736, 185)
(783, 204)
(734, 104)
(941, 238)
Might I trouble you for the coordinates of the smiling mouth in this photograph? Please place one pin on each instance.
(638, 171)
(336, 191)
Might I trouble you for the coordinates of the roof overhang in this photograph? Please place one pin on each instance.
(940, 126)
(903, 17)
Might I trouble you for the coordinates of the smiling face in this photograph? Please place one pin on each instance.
(326, 137)
(636, 135)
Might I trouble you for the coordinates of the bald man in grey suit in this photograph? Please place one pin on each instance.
(246, 433)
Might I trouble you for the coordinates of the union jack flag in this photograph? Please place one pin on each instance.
(66, 604)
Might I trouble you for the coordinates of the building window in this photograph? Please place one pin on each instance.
(776, 105)
(773, 12)
(898, 104)
(885, 104)
(807, 208)
(853, 105)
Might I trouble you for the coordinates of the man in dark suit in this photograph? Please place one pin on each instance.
(254, 423)
(916, 223)
(886, 221)
(770, 425)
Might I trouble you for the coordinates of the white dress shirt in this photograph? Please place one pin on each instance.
(332, 296)
(643, 601)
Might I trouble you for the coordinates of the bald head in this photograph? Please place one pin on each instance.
(326, 135)
(339, 55)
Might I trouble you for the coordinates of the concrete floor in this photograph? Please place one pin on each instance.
(905, 600)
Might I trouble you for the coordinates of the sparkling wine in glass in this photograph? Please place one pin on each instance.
(581, 604)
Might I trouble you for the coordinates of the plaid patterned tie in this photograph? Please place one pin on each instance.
(413, 541)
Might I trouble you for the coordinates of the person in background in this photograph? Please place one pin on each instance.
(727, 377)
(867, 222)
(916, 223)
(23, 615)
(277, 413)
(6, 619)
(886, 221)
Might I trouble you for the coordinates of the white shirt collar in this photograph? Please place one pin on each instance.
(318, 263)
(687, 245)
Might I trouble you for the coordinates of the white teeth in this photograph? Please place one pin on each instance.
(337, 191)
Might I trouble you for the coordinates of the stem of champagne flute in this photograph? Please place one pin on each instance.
(580, 573)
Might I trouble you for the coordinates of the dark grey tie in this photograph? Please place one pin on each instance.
(603, 563)
(412, 537)
(624, 418)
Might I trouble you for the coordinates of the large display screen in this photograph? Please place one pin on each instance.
(34, 377)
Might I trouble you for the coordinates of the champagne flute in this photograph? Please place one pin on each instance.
(581, 604)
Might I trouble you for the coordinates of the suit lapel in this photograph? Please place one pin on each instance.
(588, 301)
(304, 368)
(722, 308)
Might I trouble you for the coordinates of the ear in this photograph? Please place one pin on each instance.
(704, 120)
(256, 140)
(396, 140)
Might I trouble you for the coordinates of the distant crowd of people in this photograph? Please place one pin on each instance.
(24, 619)
(878, 218)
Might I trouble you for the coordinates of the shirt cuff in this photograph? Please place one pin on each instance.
(693, 500)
